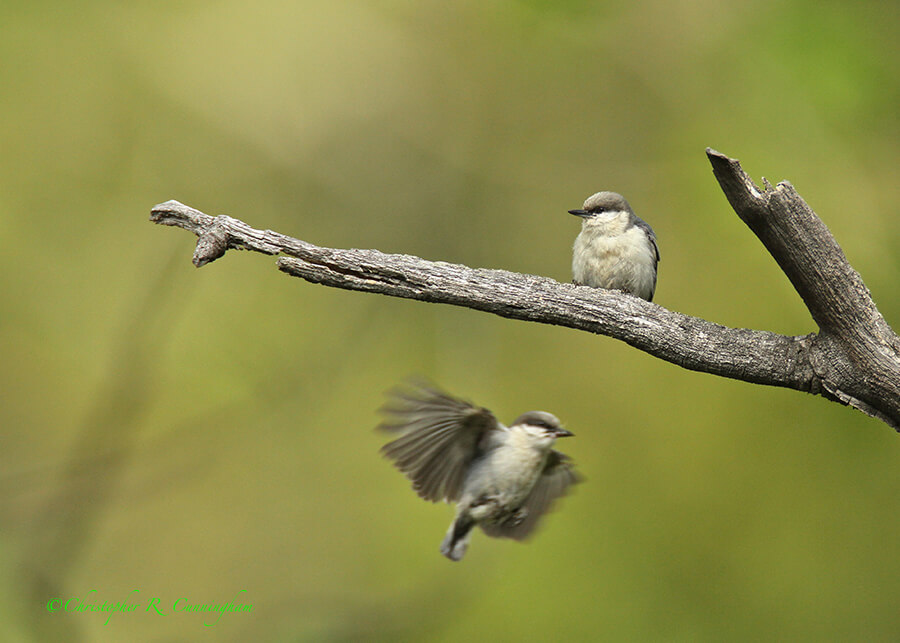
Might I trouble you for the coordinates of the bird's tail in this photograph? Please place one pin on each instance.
(456, 542)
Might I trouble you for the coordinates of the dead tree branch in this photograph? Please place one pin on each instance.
(854, 358)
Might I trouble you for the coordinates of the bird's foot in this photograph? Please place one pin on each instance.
(519, 516)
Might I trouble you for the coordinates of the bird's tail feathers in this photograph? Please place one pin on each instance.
(456, 542)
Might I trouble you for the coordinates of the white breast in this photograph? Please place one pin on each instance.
(508, 473)
(624, 260)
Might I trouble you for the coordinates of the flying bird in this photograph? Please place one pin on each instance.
(501, 478)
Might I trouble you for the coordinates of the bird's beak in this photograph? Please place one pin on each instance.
(580, 213)
(562, 433)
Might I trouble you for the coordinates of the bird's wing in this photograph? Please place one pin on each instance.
(643, 225)
(556, 478)
(441, 436)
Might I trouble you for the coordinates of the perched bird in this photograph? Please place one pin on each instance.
(615, 249)
(502, 478)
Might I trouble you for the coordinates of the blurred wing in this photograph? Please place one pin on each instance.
(558, 475)
(442, 435)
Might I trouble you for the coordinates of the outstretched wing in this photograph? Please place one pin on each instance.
(441, 436)
(558, 475)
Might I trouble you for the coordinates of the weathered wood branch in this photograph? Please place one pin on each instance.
(854, 359)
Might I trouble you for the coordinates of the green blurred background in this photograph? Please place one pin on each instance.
(190, 434)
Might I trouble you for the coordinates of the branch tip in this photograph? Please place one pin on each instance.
(211, 245)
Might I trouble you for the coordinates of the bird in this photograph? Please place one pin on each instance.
(615, 249)
(501, 478)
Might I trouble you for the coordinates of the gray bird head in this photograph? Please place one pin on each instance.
(604, 205)
(545, 427)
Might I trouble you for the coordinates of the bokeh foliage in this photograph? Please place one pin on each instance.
(193, 433)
